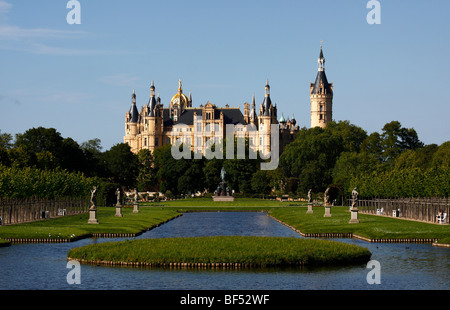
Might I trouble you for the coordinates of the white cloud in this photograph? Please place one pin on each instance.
(14, 32)
(4, 7)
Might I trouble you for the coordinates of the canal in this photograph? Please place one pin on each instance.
(404, 266)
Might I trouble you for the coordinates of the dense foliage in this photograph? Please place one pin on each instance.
(30, 182)
(392, 163)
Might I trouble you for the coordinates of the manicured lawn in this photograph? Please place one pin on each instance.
(257, 251)
(77, 225)
(370, 226)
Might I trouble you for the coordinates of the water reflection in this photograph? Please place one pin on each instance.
(403, 266)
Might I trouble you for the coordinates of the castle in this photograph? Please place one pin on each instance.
(155, 125)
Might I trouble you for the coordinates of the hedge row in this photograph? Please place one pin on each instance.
(29, 182)
(411, 182)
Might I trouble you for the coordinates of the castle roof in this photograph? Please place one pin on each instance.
(134, 113)
(152, 105)
(230, 115)
(321, 79)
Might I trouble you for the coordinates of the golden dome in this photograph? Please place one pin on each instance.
(180, 98)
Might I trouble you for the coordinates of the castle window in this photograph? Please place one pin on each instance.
(321, 117)
(199, 127)
(145, 141)
(321, 108)
(156, 142)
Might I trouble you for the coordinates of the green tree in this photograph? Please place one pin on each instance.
(418, 158)
(211, 172)
(350, 165)
(122, 164)
(192, 179)
(5, 141)
(352, 135)
(441, 158)
(93, 145)
(311, 158)
(261, 182)
(146, 176)
(395, 139)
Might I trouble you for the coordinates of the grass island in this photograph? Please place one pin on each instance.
(221, 251)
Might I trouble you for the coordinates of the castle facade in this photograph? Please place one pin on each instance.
(155, 125)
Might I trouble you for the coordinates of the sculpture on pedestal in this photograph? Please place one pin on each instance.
(327, 201)
(223, 192)
(136, 204)
(310, 202)
(93, 197)
(354, 208)
(354, 197)
(93, 208)
(118, 204)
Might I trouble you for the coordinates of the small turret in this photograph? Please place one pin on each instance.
(152, 101)
(133, 110)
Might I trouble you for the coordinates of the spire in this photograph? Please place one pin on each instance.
(152, 89)
(321, 60)
(133, 111)
(321, 85)
(152, 100)
(267, 102)
(180, 90)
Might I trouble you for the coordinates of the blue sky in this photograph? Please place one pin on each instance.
(79, 78)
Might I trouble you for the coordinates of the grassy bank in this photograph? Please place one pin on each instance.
(4, 243)
(370, 226)
(69, 227)
(235, 250)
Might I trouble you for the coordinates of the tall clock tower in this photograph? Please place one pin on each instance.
(321, 96)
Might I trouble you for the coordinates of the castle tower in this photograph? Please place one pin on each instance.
(321, 95)
(131, 124)
(150, 139)
(267, 112)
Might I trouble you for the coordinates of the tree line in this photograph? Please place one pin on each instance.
(392, 163)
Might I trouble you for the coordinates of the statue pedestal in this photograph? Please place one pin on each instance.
(310, 210)
(327, 211)
(354, 215)
(136, 208)
(119, 211)
(93, 216)
(223, 198)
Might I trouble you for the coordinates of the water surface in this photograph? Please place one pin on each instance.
(403, 266)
